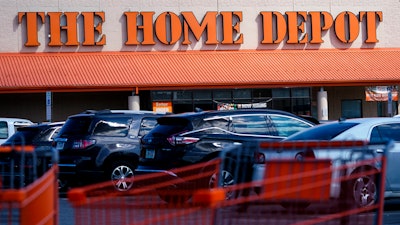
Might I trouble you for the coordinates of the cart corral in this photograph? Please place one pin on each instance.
(28, 186)
(228, 190)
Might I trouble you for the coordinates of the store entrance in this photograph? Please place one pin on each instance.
(295, 100)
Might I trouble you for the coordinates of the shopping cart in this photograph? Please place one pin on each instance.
(28, 186)
(273, 184)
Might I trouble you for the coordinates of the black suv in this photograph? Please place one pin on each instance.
(184, 139)
(97, 146)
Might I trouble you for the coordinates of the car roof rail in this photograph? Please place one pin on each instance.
(103, 111)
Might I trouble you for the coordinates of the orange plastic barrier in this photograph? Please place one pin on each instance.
(291, 190)
(284, 175)
(33, 203)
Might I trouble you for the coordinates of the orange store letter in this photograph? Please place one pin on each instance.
(169, 28)
(346, 26)
(66, 22)
(90, 28)
(31, 26)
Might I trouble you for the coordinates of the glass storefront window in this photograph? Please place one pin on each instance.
(242, 94)
(352, 108)
(182, 95)
(222, 94)
(295, 100)
(281, 93)
(202, 95)
(182, 106)
(161, 95)
(301, 92)
(262, 93)
(204, 105)
(301, 106)
(281, 104)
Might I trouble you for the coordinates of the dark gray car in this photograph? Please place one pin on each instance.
(97, 146)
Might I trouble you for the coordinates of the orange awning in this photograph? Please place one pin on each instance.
(29, 72)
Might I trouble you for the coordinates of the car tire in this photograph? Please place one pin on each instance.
(227, 174)
(360, 192)
(121, 173)
(174, 195)
(174, 190)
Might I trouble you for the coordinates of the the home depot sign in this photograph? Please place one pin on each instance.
(146, 28)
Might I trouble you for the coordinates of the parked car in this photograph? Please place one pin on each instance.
(8, 127)
(185, 139)
(372, 130)
(103, 145)
(40, 138)
(37, 135)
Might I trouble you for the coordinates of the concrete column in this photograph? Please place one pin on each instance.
(322, 104)
(134, 102)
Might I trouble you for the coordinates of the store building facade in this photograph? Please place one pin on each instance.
(324, 59)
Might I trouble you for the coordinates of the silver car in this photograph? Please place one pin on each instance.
(372, 130)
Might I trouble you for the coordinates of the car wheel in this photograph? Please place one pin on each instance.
(227, 180)
(121, 174)
(363, 191)
(174, 195)
(174, 190)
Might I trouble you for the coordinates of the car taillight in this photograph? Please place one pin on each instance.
(259, 158)
(174, 140)
(81, 144)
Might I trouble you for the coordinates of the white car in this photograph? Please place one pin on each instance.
(8, 127)
(372, 130)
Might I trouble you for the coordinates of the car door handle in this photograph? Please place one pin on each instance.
(379, 151)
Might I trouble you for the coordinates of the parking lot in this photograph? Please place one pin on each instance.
(270, 213)
(279, 182)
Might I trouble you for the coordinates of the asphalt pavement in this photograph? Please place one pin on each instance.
(391, 215)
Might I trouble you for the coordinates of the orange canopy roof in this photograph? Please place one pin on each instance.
(28, 72)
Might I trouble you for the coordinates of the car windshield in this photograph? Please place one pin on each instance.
(324, 132)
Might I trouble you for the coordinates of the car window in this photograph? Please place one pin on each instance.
(253, 124)
(56, 132)
(385, 132)
(323, 132)
(146, 125)
(172, 125)
(76, 126)
(48, 134)
(222, 123)
(287, 126)
(205, 131)
(113, 128)
(3, 130)
(24, 136)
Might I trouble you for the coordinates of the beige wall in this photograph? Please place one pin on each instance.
(13, 35)
(33, 106)
(337, 94)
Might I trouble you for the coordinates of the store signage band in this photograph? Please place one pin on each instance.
(144, 28)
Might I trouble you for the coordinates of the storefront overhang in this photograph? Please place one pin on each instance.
(109, 71)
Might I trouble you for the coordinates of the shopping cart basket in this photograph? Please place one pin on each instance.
(28, 187)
